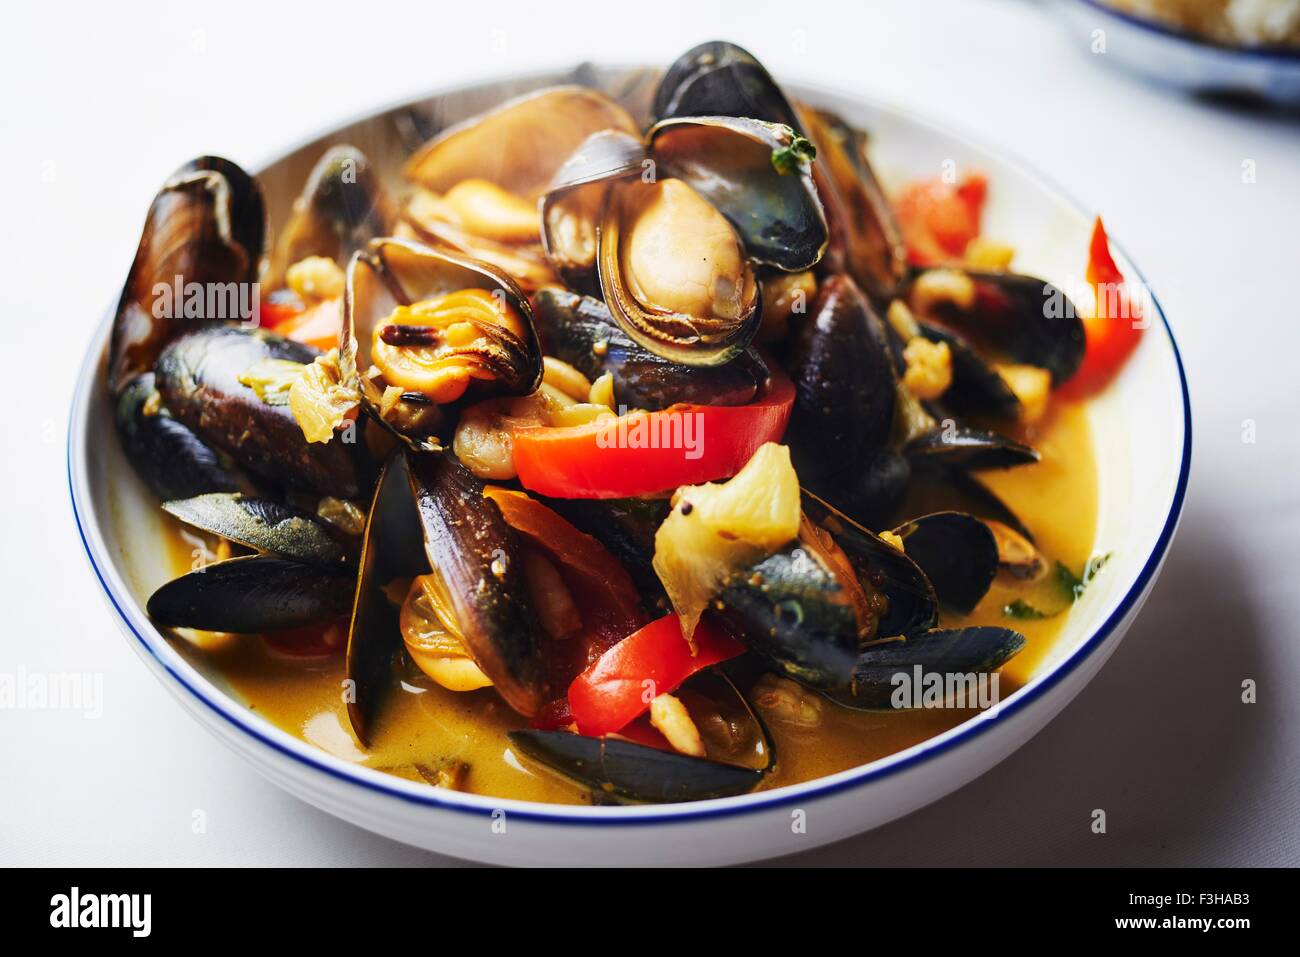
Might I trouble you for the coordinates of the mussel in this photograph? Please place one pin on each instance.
(821, 610)
(300, 576)
(1019, 319)
(958, 553)
(429, 516)
(581, 331)
(757, 174)
(172, 460)
(718, 78)
(955, 656)
(528, 138)
(677, 226)
(489, 210)
(865, 239)
(342, 207)
(196, 263)
(638, 765)
(203, 378)
(423, 328)
(845, 383)
(574, 202)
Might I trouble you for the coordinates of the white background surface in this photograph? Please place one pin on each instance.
(99, 104)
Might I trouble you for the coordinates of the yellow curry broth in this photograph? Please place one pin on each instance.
(426, 726)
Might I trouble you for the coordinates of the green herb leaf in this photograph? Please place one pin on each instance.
(1021, 610)
(793, 158)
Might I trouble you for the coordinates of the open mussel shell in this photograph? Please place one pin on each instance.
(520, 144)
(260, 524)
(205, 231)
(429, 514)
(393, 272)
(1018, 556)
(525, 263)
(581, 331)
(957, 552)
(710, 268)
(718, 78)
(951, 445)
(198, 377)
(865, 238)
(1021, 318)
(976, 386)
(961, 652)
(913, 604)
(167, 455)
(757, 174)
(845, 385)
(794, 609)
(633, 772)
(253, 595)
(738, 746)
(391, 549)
(341, 208)
(473, 550)
(791, 609)
(575, 199)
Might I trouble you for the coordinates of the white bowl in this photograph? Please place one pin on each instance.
(1142, 432)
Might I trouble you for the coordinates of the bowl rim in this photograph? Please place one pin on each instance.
(1275, 53)
(153, 644)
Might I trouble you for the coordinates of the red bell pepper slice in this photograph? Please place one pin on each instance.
(274, 313)
(621, 684)
(1113, 331)
(939, 219)
(646, 452)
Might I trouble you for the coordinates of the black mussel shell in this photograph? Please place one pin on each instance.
(950, 445)
(468, 543)
(342, 207)
(721, 79)
(198, 376)
(792, 611)
(633, 772)
(391, 549)
(976, 386)
(168, 456)
(260, 524)
(866, 240)
(580, 331)
(253, 595)
(871, 494)
(845, 385)
(913, 605)
(956, 652)
(1023, 318)
(957, 552)
(205, 228)
(756, 174)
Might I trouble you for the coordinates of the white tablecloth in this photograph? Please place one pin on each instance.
(101, 103)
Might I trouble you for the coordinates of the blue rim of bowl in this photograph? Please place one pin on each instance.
(1275, 52)
(373, 781)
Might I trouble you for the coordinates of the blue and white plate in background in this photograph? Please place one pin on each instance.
(1173, 57)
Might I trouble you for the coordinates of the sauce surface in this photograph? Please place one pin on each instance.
(425, 727)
